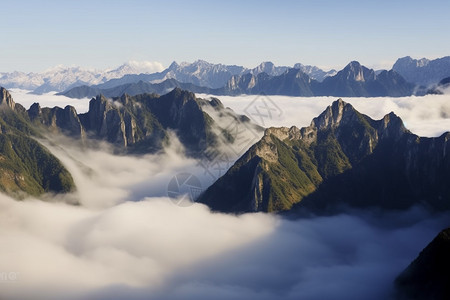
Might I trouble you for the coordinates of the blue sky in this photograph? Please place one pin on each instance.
(37, 35)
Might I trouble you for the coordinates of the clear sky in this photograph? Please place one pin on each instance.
(37, 35)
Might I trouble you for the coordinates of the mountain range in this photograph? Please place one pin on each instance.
(343, 159)
(423, 71)
(199, 73)
(139, 124)
(354, 80)
(62, 78)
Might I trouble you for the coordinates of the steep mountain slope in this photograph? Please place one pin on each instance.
(423, 71)
(343, 158)
(142, 122)
(428, 276)
(26, 167)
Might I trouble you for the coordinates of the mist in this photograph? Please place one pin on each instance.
(26, 99)
(425, 116)
(126, 239)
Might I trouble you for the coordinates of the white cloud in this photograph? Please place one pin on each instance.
(425, 116)
(126, 232)
(26, 99)
(146, 66)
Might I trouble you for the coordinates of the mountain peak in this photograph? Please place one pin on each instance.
(173, 66)
(357, 72)
(392, 126)
(354, 64)
(333, 115)
(6, 99)
(178, 93)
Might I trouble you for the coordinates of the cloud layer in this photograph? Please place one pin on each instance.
(425, 116)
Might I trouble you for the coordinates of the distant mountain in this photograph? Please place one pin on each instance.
(133, 89)
(353, 81)
(62, 78)
(208, 75)
(356, 80)
(199, 73)
(314, 72)
(26, 167)
(441, 88)
(268, 68)
(423, 71)
(428, 276)
(343, 158)
(293, 82)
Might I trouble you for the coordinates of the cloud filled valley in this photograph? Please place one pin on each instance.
(127, 239)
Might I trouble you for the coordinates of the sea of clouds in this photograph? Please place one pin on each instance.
(127, 240)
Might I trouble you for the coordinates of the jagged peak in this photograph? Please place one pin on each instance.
(332, 116)
(6, 99)
(355, 71)
(283, 133)
(201, 62)
(70, 109)
(34, 111)
(180, 94)
(393, 124)
(354, 64)
(174, 65)
(100, 97)
(216, 103)
(266, 64)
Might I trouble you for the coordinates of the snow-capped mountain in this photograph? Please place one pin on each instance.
(200, 73)
(269, 68)
(61, 78)
(26, 81)
(205, 74)
(315, 72)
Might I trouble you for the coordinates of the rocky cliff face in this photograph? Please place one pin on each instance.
(428, 276)
(6, 99)
(141, 123)
(26, 167)
(57, 119)
(343, 158)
